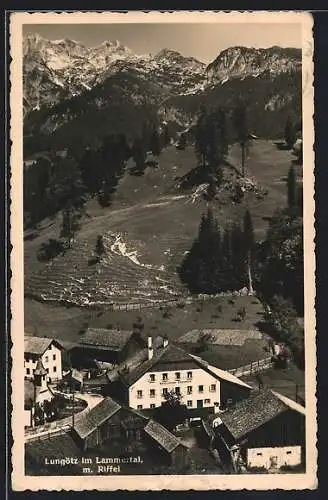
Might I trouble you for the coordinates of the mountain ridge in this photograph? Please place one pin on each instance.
(60, 69)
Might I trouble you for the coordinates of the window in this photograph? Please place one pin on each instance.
(189, 403)
(288, 452)
(177, 390)
(189, 389)
(164, 376)
(259, 454)
(200, 388)
(139, 394)
(54, 357)
(46, 359)
(189, 375)
(152, 406)
(207, 401)
(177, 375)
(212, 387)
(55, 369)
(139, 407)
(47, 370)
(164, 391)
(27, 371)
(152, 393)
(152, 377)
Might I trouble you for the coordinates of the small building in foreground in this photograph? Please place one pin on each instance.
(127, 431)
(265, 431)
(112, 346)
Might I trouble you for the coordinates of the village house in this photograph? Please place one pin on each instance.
(36, 392)
(264, 431)
(202, 387)
(112, 346)
(129, 432)
(49, 351)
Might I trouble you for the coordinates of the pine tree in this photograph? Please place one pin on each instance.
(166, 135)
(241, 130)
(200, 137)
(292, 188)
(249, 242)
(70, 224)
(290, 133)
(155, 143)
(139, 154)
(100, 248)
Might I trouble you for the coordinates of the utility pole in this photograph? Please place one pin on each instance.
(296, 393)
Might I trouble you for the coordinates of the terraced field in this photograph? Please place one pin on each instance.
(147, 230)
(117, 278)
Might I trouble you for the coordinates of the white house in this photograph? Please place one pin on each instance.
(49, 351)
(171, 368)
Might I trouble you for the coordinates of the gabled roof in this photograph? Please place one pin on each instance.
(253, 412)
(38, 345)
(173, 358)
(88, 422)
(162, 436)
(168, 358)
(76, 375)
(101, 338)
(221, 374)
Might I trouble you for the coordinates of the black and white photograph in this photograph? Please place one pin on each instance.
(162, 229)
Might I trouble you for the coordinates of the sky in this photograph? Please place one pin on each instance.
(202, 41)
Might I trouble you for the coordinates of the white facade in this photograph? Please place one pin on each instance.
(274, 458)
(51, 360)
(198, 388)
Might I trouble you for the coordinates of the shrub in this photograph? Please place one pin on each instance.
(50, 250)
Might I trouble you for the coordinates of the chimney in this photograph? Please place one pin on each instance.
(150, 348)
(165, 341)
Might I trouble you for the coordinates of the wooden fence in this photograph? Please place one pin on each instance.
(254, 367)
(182, 301)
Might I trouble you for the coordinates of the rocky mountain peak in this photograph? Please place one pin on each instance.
(240, 62)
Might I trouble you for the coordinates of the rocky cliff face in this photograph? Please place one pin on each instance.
(58, 69)
(241, 62)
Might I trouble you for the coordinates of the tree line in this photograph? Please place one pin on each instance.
(219, 261)
(56, 182)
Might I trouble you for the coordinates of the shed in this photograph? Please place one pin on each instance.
(112, 346)
(268, 427)
(170, 446)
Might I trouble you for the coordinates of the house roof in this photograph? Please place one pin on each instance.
(96, 416)
(101, 338)
(38, 345)
(167, 358)
(162, 436)
(258, 409)
(60, 446)
(172, 358)
(76, 375)
(222, 374)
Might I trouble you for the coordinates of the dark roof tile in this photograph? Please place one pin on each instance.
(162, 436)
(249, 414)
(101, 338)
(88, 422)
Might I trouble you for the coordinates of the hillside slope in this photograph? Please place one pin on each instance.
(148, 229)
